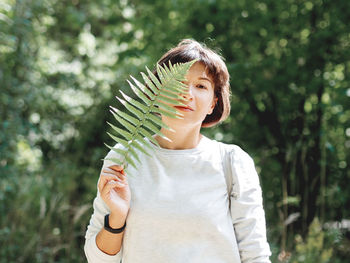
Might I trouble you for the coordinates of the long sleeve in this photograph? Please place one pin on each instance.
(92, 252)
(178, 210)
(247, 211)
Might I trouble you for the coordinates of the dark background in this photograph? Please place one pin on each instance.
(62, 63)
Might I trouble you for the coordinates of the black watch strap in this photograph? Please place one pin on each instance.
(113, 230)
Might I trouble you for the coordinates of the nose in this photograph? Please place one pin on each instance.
(188, 95)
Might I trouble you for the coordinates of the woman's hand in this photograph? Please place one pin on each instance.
(115, 192)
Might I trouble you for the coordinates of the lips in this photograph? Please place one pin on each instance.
(187, 108)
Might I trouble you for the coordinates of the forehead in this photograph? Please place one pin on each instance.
(199, 70)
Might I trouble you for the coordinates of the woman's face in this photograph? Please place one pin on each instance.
(200, 99)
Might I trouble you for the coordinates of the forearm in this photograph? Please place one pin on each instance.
(110, 243)
(248, 216)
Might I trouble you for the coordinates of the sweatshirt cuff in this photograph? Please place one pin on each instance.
(95, 255)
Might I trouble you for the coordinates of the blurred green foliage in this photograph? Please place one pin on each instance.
(62, 62)
(314, 248)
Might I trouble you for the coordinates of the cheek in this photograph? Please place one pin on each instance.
(206, 104)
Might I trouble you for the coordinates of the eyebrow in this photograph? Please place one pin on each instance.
(203, 78)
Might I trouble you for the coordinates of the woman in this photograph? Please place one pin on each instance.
(176, 206)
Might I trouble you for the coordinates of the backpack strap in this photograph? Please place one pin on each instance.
(226, 161)
(230, 173)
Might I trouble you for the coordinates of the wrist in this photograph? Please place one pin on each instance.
(116, 221)
(110, 229)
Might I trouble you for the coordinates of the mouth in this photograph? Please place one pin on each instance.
(181, 108)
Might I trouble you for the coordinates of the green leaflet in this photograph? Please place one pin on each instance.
(136, 103)
(125, 134)
(171, 95)
(169, 100)
(131, 108)
(137, 145)
(165, 106)
(139, 120)
(159, 122)
(144, 142)
(128, 151)
(139, 93)
(144, 88)
(131, 129)
(148, 135)
(168, 114)
(153, 128)
(124, 115)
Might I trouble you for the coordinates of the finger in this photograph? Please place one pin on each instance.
(107, 177)
(117, 168)
(120, 176)
(104, 178)
(111, 171)
(110, 185)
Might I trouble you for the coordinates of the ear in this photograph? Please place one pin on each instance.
(215, 100)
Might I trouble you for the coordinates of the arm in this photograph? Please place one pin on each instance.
(108, 242)
(247, 211)
(93, 252)
(113, 197)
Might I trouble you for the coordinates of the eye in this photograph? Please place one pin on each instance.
(201, 86)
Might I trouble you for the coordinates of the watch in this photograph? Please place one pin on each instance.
(113, 230)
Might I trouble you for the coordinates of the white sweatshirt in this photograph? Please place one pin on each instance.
(179, 211)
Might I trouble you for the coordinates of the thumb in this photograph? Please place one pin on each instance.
(117, 168)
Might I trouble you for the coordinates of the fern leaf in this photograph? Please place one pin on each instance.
(155, 96)
(143, 142)
(162, 72)
(135, 102)
(148, 136)
(168, 114)
(139, 94)
(131, 151)
(168, 100)
(125, 134)
(143, 88)
(153, 78)
(131, 108)
(159, 122)
(130, 128)
(139, 147)
(118, 140)
(118, 161)
(171, 95)
(165, 106)
(153, 128)
(151, 88)
(115, 160)
(125, 116)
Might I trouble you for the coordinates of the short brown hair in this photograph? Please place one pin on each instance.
(188, 50)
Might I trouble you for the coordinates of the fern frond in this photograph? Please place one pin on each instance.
(168, 100)
(131, 108)
(132, 152)
(139, 94)
(165, 106)
(135, 102)
(140, 121)
(171, 95)
(166, 113)
(153, 128)
(124, 115)
(143, 88)
(138, 146)
(158, 121)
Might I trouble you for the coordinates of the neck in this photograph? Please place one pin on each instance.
(181, 138)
